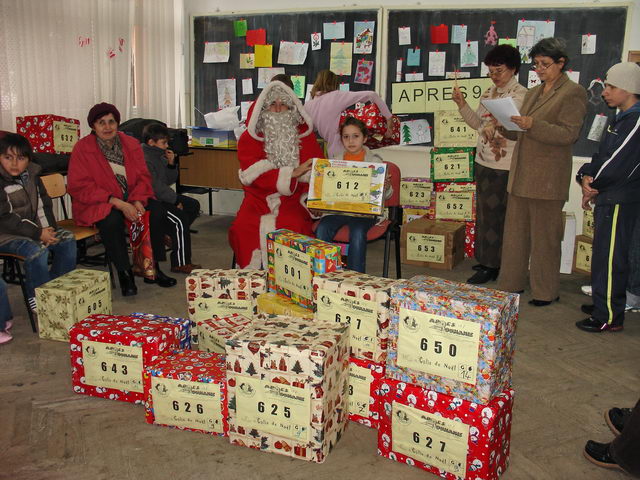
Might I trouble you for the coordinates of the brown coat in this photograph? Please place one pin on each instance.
(542, 159)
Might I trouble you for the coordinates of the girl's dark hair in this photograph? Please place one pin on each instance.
(555, 48)
(503, 55)
(14, 141)
(356, 123)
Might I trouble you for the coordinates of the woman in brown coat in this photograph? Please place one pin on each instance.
(551, 119)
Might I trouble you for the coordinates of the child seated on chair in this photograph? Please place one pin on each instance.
(353, 133)
(5, 314)
(27, 225)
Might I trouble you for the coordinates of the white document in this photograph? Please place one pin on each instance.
(588, 44)
(533, 80)
(247, 86)
(597, 127)
(414, 77)
(459, 34)
(244, 109)
(316, 41)
(503, 109)
(216, 52)
(436, 64)
(404, 35)
(574, 76)
(399, 70)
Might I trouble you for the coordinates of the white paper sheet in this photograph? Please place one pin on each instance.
(588, 44)
(404, 35)
(216, 52)
(333, 30)
(244, 109)
(533, 80)
(502, 109)
(415, 131)
(574, 76)
(292, 53)
(399, 70)
(459, 34)
(469, 54)
(436, 64)
(597, 127)
(414, 77)
(226, 92)
(316, 41)
(266, 74)
(247, 86)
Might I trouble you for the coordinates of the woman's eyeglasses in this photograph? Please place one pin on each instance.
(541, 66)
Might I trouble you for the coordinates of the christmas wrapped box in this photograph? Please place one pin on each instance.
(452, 164)
(582, 256)
(376, 125)
(187, 389)
(587, 223)
(69, 299)
(109, 353)
(363, 302)
(452, 337)
(219, 293)
(294, 259)
(49, 133)
(273, 304)
(415, 192)
(455, 201)
(214, 332)
(432, 243)
(288, 386)
(364, 402)
(449, 437)
(469, 239)
(184, 340)
(410, 214)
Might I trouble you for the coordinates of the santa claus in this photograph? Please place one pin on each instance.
(275, 154)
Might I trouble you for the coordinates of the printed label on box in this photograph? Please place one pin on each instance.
(346, 185)
(112, 366)
(360, 379)
(187, 404)
(434, 440)
(438, 345)
(293, 270)
(273, 407)
(95, 300)
(416, 193)
(451, 165)
(425, 247)
(221, 307)
(587, 223)
(65, 136)
(583, 256)
(209, 341)
(361, 315)
(454, 205)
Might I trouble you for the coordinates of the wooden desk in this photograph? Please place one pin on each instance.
(214, 168)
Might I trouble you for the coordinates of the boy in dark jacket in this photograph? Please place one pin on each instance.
(612, 181)
(27, 225)
(181, 210)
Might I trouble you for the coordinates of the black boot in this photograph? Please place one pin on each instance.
(127, 283)
(161, 279)
(484, 275)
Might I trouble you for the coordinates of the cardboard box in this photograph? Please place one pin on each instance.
(49, 133)
(347, 186)
(294, 259)
(273, 304)
(364, 401)
(452, 164)
(69, 299)
(211, 137)
(184, 340)
(187, 390)
(415, 192)
(582, 256)
(452, 337)
(432, 243)
(587, 223)
(449, 437)
(363, 302)
(568, 243)
(288, 386)
(214, 332)
(220, 293)
(110, 352)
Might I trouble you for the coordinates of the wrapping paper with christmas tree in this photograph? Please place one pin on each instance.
(452, 438)
(452, 337)
(184, 323)
(415, 192)
(214, 332)
(364, 401)
(70, 298)
(49, 133)
(273, 304)
(363, 302)
(452, 164)
(288, 386)
(347, 186)
(187, 390)
(294, 259)
(110, 352)
(376, 124)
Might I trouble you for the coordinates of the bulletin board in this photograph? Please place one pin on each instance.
(280, 26)
(607, 24)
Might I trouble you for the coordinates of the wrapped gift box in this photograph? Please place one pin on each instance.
(415, 192)
(454, 201)
(363, 302)
(449, 437)
(109, 353)
(587, 223)
(49, 133)
(187, 389)
(410, 214)
(70, 298)
(294, 259)
(211, 137)
(288, 386)
(582, 256)
(376, 125)
(364, 401)
(469, 239)
(452, 337)
(273, 304)
(184, 340)
(452, 164)
(347, 186)
(214, 332)
(432, 243)
(219, 293)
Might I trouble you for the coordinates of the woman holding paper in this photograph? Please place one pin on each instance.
(493, 159)
(551, 119)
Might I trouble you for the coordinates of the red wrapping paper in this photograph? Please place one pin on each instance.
(357, 411)
(140, 236)
(376, 125)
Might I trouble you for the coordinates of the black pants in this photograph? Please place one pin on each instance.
(177, 227)
(491, 210)
(190, 208)
(613, 231)
(625, 447)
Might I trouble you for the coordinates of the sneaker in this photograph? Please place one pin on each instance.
(616, 418)
(8, 324)
(5, 337)
(586, 289)
(593, 325)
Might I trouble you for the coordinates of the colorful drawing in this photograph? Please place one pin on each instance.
(363, 37)
(316, 41)
(469, 54)
(298, 85)
(340, 62)
(247, 60)
(266, 74)
(226, 92)
(364, 72)
(415, 131)
(491, 37)
(216, 52)
(292, 53)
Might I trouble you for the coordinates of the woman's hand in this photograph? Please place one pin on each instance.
(488, 131)
(524, 123)
(128, 210)
(458, 97)
(139, 207)
(302, 169)
(389, 131)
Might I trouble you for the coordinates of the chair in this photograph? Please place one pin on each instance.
(389, 227)
(12, 273)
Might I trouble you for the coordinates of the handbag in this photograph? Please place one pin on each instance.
(142, 254)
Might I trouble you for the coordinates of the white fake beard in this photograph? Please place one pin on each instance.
(281, 143)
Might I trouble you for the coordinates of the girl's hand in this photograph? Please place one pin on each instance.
(458, 97)
(389, 131)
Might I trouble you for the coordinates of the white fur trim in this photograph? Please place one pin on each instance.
(256, 260)
(259, 105)
(306, 178)
(249, 175)
(284, 181)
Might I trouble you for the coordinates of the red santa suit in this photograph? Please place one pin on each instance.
(272, 198)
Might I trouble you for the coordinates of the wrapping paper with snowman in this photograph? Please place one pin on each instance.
(452, 337)
(449, 437)
(184, 340)
(364, 401)
(49, 133)
(110, 352)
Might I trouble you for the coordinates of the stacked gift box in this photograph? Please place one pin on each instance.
(432, 243)
(214, 332)
(582, 255)
(273, 304)
(49, 133)
(456, 202)
(416, 198)
(184, 340)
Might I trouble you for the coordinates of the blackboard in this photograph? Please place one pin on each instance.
(607, 23)
(295, 26)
